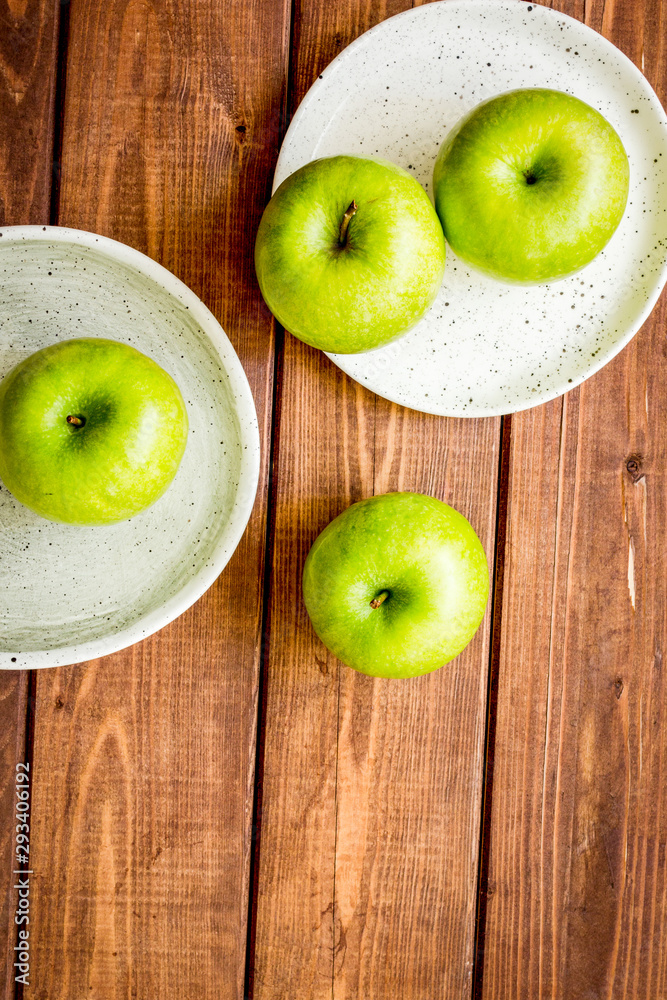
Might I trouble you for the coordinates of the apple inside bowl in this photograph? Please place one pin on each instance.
(73, 592)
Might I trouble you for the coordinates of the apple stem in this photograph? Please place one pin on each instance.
(76, 421)
(377, 601)
(342, 236)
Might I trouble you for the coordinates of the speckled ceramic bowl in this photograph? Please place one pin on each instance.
(71, 593)
(487, 348)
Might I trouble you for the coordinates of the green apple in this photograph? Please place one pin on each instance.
(396, 585)
(531, 185)
(91, 431)
(349, 253)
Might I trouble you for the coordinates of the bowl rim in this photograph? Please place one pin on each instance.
(248, 477)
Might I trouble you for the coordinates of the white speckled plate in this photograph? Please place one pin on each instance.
(72, 593)
(487, 348)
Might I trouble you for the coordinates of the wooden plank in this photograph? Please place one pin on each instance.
(577, 877)
(144, 760)
(28, 48)
(410, 759)
(371, 791)
(295, 924)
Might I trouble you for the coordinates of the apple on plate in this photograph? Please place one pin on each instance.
(92, 431)
(396, 585)
(530, 185)
(349, 253)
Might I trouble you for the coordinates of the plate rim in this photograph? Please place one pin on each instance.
(515, 7)
(249, 468)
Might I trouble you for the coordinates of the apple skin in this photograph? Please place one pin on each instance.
(429, 561)
(124, 455)
(531, 185)
(358, 296)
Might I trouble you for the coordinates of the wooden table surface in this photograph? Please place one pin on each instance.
(224, 811)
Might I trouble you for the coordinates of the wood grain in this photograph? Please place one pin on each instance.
(371, 791)
(28, 45)
(577, 881)
(28, 42)
(144, 760)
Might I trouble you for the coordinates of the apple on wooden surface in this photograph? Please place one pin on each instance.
(396, 585)
(531, 185)
(349, 253)
(91, 431)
